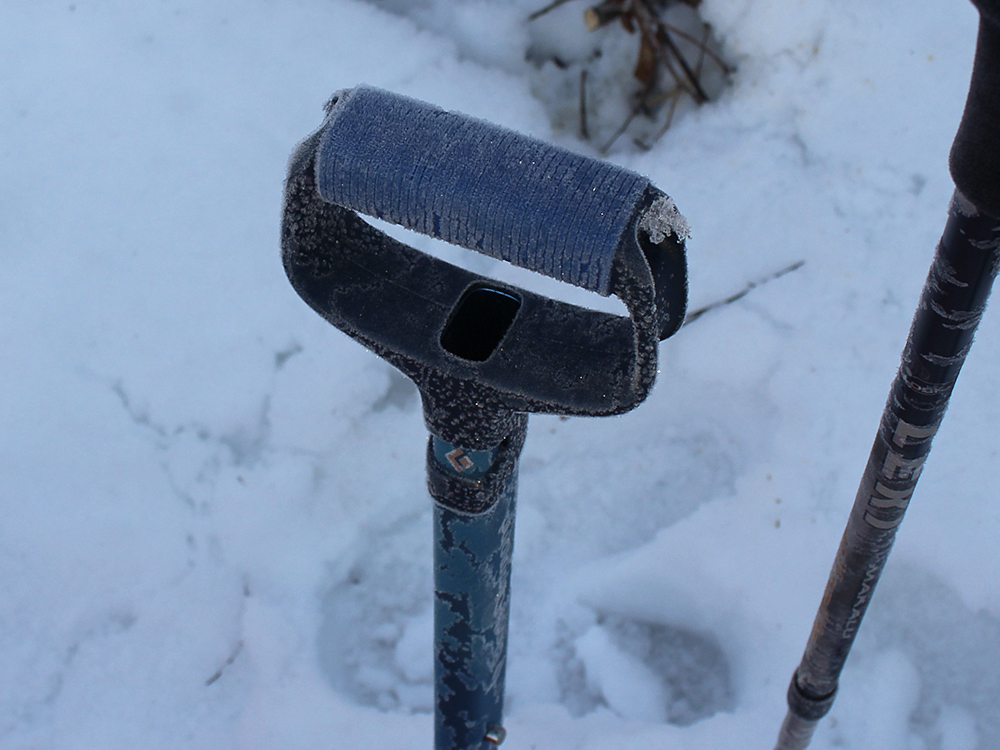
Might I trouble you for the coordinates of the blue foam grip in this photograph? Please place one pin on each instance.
(477, 185)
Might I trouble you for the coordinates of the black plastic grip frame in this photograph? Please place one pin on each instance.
(550, 357)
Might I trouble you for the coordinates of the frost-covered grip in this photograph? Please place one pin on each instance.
(975, 155)
(477, 185)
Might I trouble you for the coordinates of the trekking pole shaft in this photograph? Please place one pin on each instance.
(950, 308)
(474, 494)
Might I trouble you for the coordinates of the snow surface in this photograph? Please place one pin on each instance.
(213, 527)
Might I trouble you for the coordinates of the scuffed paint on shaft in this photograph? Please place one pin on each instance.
(953, 300)
(472, 558)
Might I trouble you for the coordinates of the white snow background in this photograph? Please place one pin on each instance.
(214, 531)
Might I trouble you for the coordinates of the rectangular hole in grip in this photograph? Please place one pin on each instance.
(479, 322)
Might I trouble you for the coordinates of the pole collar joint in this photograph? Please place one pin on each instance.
(807, 707)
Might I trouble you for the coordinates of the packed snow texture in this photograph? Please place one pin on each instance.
(215, 532)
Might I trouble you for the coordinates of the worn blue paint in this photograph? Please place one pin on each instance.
(472, 557)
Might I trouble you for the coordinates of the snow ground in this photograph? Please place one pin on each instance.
(214, 532)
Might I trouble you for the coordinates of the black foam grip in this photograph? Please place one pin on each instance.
(989, 9)
(975, 155)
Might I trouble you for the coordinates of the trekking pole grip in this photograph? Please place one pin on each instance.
(975, 154)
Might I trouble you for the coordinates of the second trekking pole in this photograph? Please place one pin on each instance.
(951, 305)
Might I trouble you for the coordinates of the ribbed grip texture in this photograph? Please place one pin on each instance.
(477, 185)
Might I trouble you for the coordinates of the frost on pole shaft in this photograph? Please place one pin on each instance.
(662, 219)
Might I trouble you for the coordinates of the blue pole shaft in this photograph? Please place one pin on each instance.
(472, 558)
